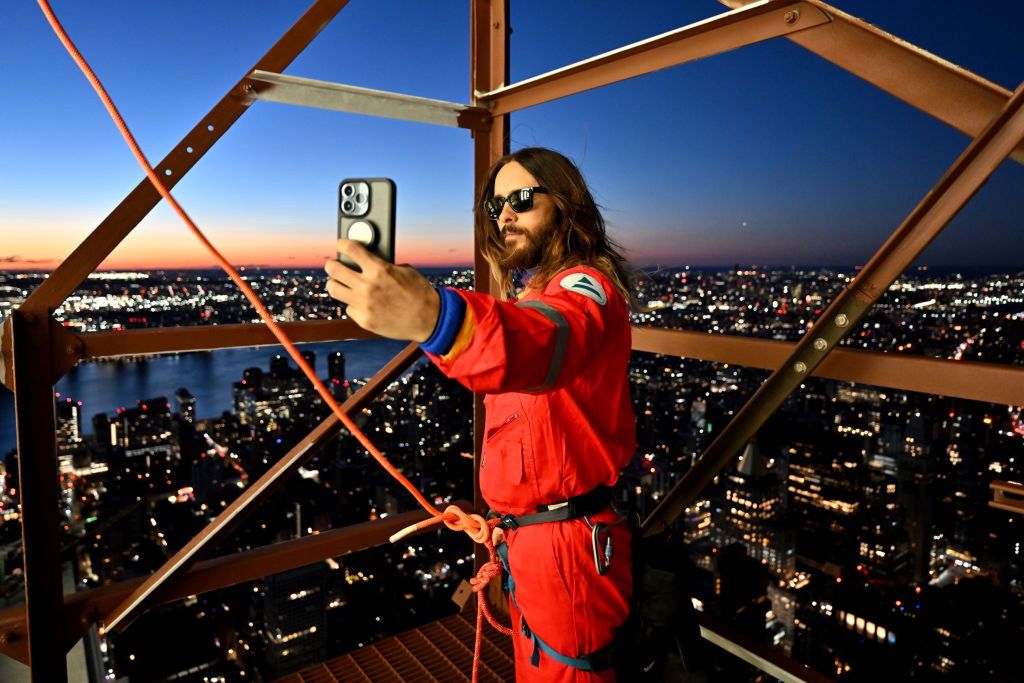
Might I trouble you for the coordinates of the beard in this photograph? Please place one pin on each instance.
(529, 251)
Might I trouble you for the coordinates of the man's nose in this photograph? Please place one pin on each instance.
(507, 215)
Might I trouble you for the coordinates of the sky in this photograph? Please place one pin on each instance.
(764, 155)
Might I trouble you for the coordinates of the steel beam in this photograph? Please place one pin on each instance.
(244, 505)
(747, 25)
(84, 608)
(37, 481)
(965, 177)
(989, 382)
(756, 653)
(122, 220)
(7, 354)
(207, 337)
(950, 93)
(1007, 495)
(306, 92)
(489, 69)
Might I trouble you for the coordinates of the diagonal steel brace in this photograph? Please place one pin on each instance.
(132, 606)
(965, 177)
(70, 274)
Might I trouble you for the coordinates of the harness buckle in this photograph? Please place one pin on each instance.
(508, 521)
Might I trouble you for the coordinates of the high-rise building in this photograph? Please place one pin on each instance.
(336, 380)
(336, 365)
(750, 513)
(279, 367)
(293, 618)
(883, 543)
(149, 429)
(825, 498)
(310, 357)
(70, 445)
(186, 404)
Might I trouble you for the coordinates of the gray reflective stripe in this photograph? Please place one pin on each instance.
(561, 341)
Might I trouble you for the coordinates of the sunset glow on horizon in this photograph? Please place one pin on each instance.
(178, 249)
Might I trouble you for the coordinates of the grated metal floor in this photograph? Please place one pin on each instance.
(440, 651)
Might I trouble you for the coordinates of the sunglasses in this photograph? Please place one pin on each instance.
(518, 201)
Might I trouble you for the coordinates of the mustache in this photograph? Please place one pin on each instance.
(510, 231)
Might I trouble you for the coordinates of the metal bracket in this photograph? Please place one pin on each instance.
(67, 350)
(307, 92)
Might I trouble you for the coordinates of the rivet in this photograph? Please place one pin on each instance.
(791, 16)
(800, 367)
(820, 344)
(842, 320)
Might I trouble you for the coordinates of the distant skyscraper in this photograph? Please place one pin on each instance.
(279, 367)
(336, 375)
(69, 418)
(252, 377)
(105, 430)
(294, 618)
(336, 365)
(310, 357)
(883, 541)
(186, 404)
(751, 514)
(149, 429)
(244, 393)
(68, 425)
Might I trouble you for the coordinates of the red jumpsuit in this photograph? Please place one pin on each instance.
(560, 423)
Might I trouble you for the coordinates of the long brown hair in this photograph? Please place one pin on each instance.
(579, 237)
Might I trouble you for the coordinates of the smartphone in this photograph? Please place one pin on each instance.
(366, 214)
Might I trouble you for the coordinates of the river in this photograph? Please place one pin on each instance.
(105, 386)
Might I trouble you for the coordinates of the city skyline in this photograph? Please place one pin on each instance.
(762, 155)
(854, 535)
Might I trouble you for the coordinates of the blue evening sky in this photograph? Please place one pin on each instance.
(767, 154)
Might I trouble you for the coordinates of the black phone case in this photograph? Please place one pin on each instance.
(380, 215)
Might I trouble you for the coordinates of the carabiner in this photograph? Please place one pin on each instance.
(602, 560)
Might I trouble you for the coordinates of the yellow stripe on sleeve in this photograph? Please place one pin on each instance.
(463, 338)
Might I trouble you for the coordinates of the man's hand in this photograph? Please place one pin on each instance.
(389, 300)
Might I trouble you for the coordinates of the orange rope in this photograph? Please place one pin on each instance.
(453, 517)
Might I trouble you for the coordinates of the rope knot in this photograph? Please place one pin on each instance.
(488, 570)
(475, 526)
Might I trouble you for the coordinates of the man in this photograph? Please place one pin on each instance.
(553, 366)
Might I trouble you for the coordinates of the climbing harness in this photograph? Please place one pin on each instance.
(583, 507)
(600, 659)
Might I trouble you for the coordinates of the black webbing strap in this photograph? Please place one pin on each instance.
(589, 503)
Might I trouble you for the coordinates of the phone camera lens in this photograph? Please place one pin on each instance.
(347, 190)
(347, 206)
